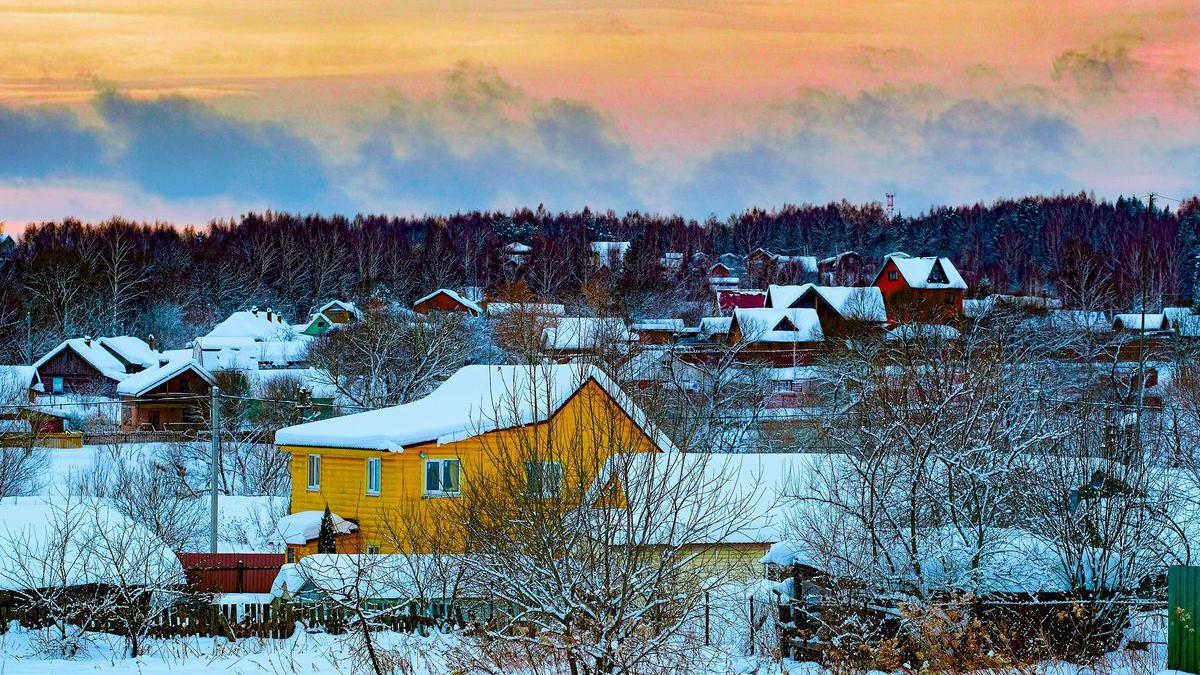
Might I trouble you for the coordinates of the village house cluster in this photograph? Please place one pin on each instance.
(573, 423)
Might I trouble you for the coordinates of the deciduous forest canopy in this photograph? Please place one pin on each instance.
(68, 278)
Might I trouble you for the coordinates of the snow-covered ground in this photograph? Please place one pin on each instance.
(437, 654)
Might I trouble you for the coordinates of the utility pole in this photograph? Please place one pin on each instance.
(1142, 333)
(215, 466)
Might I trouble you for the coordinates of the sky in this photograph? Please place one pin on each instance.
(188, 111)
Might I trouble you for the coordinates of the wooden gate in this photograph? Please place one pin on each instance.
(1183, 619)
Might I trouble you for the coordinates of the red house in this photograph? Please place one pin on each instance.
(920, 289)
(446, 300)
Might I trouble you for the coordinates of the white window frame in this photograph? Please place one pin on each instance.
(374, 470)
(57, 385)
(373, 548)
(543, 493)
(314, 462)
(893, 275)
(441, 462)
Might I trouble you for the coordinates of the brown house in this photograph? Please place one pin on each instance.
(94, 366)
(339, 312)
(171, 397)
(446, 300)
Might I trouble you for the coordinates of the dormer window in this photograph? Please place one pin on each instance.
(785, 324)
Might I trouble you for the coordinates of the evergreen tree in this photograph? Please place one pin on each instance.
(325, 543)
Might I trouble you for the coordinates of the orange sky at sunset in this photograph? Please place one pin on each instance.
(675, 82)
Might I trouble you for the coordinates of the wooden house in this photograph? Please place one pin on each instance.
(340, 311)
(170, 397)
(920, 289)
(396, 472)
(841, 308)
(94, 366)
(446, 300)
(781, 336)
(843, 269)
(658, 331)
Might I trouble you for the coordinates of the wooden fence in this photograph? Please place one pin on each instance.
(278, 620)
(1183, 617)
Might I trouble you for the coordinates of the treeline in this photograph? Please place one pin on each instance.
(70, 278)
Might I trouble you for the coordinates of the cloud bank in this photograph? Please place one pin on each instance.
(479, 142)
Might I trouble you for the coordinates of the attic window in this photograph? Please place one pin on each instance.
(937, 275)
(785, 324)
(893, 275)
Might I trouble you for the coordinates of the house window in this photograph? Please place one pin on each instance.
(441, 477)
(374, 478)
(56, 385)
(893, 275)
(314, 472)
(373, 548)
(544, 479)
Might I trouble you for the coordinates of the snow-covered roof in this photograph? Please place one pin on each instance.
(1079, 320)
(358, 576)
(475, 400)
(675, 325)
(610, 252)
(96, 354)
(808, 263)
(698, 487)
(304, 526)
(140, 383)
(920, 272)
(518, 247)
(536, 308)
(1188, 326)
(132, 349)
(715, 325)
(852, 302)
(456, 297)
(1177, 313)
(44, 542)
(583, 332)
(770, 324)
(312, 379)
(923, 331)
(1134, 322)
(18, 377)
(247, 354)
(253, 324)
(340, 304)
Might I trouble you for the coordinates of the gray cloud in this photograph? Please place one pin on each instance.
(47, 142)
(1099, 71)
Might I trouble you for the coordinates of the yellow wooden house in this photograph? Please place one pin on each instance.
(396, 472)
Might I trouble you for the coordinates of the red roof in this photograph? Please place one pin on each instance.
(728, 300)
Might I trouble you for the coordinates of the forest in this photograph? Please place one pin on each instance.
(68, 278)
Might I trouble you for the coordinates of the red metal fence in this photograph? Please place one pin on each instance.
(231, 572)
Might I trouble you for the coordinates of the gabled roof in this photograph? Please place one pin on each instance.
(925, 273)
(583, 332)
(140, 383)
(105, 359)
(851, 302)
(778, 325)
(252, 324)
(456, 297)
(24, 377)
(342, 305)
(475, 400)
(715, 325)
(757, 484)
(1133, 321)
(133, 350)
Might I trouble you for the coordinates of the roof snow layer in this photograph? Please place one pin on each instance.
(475, 400)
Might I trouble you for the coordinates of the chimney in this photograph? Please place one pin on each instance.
(87, 340)
(150, 341)
(254, 310)
(268, 315)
